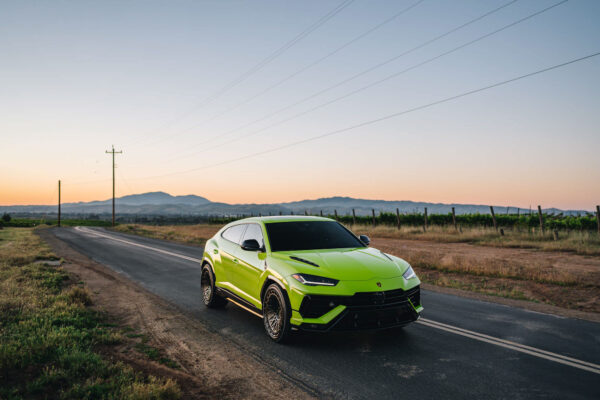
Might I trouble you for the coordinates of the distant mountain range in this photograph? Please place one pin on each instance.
(161, 203)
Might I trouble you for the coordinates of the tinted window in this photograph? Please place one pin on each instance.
(310, 235)
(234, 233)
(254, 232)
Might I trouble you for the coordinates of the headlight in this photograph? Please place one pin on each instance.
(313, 280)
(409, 273)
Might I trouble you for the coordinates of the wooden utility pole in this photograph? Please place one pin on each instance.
(598, 218)
(494, 218)
(541, 219)
(305, 212)
(58, 222)
(321, 212)
(397, 218)
(373, 211)
(335, 213)
(454, 218)
(425, 219)
(113, 152)
(353, 217)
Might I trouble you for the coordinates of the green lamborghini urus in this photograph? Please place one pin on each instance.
(307, 273)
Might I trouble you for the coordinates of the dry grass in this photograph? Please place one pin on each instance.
(586, 243)
(539, 279)
(189, 234)
(18, 246)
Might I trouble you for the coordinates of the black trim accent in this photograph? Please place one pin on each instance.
(314, 306)
(230, 295)
(304, 261)
(368, 318)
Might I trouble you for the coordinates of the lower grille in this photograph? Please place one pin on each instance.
(376, 319)
(314, 306)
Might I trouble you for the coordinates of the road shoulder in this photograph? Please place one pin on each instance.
(209, 365)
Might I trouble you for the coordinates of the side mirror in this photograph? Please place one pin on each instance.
(365, 239)
(250, 245)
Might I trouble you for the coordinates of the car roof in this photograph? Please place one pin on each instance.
(283, 218)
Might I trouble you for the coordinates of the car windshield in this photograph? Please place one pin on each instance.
(310, 235)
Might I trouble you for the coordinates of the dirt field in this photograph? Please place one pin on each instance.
(560, 279)
(208, 368)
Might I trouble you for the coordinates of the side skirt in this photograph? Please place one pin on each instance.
(238, 301)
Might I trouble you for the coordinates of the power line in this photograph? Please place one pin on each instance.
(386, 117)
(303, 69)
(262, 63)
(370, 69)
(368, 86)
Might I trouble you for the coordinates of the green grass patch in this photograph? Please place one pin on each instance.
(49, 338)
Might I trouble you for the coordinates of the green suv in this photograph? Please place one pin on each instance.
(307, 273)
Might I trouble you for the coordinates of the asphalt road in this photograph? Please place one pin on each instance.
(461, 348)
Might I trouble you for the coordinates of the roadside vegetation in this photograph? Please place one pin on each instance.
(51, 342)
(188, 234)
(579, 242)
(583, 242)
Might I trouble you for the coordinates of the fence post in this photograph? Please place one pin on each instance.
(598, 218)
(353, 217)
(335, 213)
(398, 218)
(425, 220)
(454, 218)
(494, 218)
(541, 219)
(373, 211)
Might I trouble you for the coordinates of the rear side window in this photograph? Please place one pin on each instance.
(254, 232)
(234, 234)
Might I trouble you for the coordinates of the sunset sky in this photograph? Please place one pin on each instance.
(175, 86)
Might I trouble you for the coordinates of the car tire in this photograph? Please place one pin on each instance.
(210, 298)
(276, 314)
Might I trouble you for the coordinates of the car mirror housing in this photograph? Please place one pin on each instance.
(251, 245)
(365, 239)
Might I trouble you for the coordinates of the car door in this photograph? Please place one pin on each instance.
(250, 266)
(230, 246)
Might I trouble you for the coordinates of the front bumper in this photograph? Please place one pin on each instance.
(361, 311)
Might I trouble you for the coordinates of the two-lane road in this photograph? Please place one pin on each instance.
(461, 348)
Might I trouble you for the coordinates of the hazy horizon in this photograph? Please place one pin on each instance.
(531, 206)
(78, 77)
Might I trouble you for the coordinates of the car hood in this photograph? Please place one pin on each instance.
(345, 264)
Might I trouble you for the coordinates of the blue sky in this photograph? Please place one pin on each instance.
(78, 76)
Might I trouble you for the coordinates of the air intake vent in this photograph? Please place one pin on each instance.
(304, 261)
